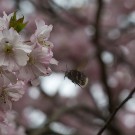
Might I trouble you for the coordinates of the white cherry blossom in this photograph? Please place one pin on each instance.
(38, 65)
(42, 34)
(13, 52)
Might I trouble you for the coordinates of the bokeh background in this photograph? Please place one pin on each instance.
(103, 47)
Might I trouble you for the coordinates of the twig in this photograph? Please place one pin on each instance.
(115, 111)
(17, 6)
(99, 49)
(78, 19)
(52, 9)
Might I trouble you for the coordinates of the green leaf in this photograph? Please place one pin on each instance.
(17, 24)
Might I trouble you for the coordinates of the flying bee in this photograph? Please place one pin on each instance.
(77, 77)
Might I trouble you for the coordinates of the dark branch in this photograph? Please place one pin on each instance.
(114, 112)
(99, 49)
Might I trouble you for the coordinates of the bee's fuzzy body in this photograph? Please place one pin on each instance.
(77, 77)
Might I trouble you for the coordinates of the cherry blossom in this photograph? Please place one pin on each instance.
(11, 93)
(4, 21)
(7, 77)
(21, 63)
(38, 64)
(8, 126)
(42, 34)
(13, 52)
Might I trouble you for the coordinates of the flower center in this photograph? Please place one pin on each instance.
(31, 60)
(3, 95)
(8, 47)
(41, 40)
(1, 70)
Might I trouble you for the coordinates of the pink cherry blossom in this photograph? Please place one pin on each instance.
(4, 21)
(7, 77)
(42, 34)
(13, 52)
(15, 92)
(21, 63)
(38, 65)
(11, 93)
(8, 126)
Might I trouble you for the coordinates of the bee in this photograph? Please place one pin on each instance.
(77, 77)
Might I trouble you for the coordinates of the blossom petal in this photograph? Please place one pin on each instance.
(53, 61)
(25, 48)
(21, 57)
(2, 58)
(35, 82)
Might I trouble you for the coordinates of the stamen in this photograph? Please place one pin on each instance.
(3, 96)
(31, 60)
(8, 47)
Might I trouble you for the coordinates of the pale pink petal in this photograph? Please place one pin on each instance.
(14, 96)
(35, 82)
(25, 48)
(11, 77)
(26, 74)
(11, 64)
(21, 57)
(53, 61)
(39, 23)
(41, 68)
(2, 58)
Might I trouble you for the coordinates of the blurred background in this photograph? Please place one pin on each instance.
(99, 36)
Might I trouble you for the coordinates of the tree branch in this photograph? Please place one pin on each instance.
(115, 111)
(99, 49)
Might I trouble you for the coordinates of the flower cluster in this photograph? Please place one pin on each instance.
(22, 61)
(8, 125)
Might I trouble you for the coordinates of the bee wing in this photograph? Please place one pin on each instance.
(82, 64)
